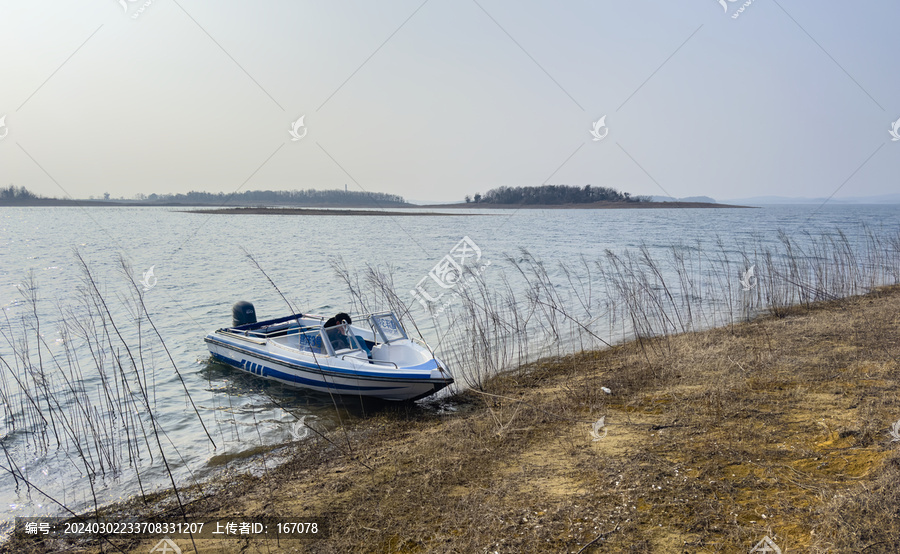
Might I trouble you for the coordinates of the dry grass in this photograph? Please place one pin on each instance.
(775, 427)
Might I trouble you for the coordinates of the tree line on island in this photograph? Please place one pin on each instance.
(554, 194)
(308, 197)
(13, 195)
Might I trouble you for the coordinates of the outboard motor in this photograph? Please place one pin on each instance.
(243, 313)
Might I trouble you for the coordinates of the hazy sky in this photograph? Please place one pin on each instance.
(438, 99)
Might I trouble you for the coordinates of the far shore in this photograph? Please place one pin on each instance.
(333, 211)
(591, 206)
(350, 209)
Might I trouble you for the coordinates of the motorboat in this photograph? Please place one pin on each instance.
(373, 357)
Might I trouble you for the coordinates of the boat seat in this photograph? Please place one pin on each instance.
(276, 330)
(362, 344)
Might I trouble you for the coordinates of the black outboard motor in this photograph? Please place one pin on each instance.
(242, 313)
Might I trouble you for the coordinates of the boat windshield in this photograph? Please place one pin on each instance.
(341, 338)
(388, 326)
(311, 341)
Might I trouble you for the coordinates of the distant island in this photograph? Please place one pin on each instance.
(336, 198)
(268, 201)
(572, 197)
(554, 194)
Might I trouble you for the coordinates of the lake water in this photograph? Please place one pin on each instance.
(200, 269)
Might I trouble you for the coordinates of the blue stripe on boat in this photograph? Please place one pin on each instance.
(269, 372)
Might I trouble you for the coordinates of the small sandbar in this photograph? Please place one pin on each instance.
(313, 211)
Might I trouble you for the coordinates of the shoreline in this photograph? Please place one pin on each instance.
(366, 209)
(335, 211)
(713, 439)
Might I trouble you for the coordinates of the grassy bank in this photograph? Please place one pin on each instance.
(713, 440)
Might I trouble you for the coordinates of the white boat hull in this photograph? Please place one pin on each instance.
(352, 373)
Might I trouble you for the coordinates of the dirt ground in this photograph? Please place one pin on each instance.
(712, 442)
